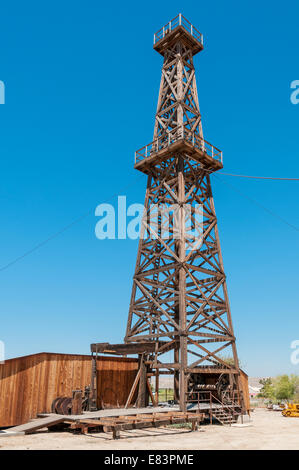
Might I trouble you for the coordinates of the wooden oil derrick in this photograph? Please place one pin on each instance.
(179, 299)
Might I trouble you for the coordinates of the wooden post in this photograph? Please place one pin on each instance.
(93, 398)
(142, 399)
(157, 386)
(77, 402)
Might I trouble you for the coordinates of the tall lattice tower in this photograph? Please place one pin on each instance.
(179, 298)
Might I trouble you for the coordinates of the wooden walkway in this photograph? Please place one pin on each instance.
(36, 424)
(118, 412)
(138, 421)
(114, 420)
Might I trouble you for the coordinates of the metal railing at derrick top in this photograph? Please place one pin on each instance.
(179, 20)
(173, 136)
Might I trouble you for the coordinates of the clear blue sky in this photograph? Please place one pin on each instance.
(81, 89)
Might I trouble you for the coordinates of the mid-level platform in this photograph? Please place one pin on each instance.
(184, 141)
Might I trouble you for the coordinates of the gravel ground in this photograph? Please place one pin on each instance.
(268, 430)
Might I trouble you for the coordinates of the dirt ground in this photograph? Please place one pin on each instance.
(268, 430)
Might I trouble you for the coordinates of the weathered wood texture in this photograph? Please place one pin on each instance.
(112, 419)
(245, 389)
(115, 377)
(29, 384)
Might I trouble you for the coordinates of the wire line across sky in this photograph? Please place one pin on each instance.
(86, 214)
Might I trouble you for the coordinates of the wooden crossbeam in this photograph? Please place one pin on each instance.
(127, 348)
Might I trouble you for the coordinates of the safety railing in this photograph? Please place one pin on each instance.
(234, 396)
(179, 20)
(208, 397)
(181, 133)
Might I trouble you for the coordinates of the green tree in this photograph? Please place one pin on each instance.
(267, 390)
(295, 381)
(285, 387)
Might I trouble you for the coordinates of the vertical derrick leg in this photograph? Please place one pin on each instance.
(176, 376)
(142, 399)
(157, 387)
(176, 352)
(182, 287)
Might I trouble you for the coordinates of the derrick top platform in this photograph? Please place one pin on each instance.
(178, 28)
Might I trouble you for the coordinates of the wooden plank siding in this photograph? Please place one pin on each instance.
(29, 384)
(115, 378)
(245, 389)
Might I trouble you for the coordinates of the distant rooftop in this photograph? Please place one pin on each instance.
(255, 382)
